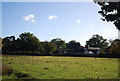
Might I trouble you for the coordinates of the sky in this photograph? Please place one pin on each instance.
(49, 20)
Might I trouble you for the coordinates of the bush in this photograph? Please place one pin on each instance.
(6, 70)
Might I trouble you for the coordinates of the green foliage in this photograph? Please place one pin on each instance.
(49, 67)
(8, 43)
(49, 48)
(114, 48)
(59, 42)
(97, 41)
(73, 46)
(111, 12)
(28, 42)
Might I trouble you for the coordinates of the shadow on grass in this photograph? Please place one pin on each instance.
(7, 71)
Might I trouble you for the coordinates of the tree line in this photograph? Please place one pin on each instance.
(28, 44)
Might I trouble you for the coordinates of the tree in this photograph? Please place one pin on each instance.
(115, 47)
(61, 45)
(59, 42)
(97, 41)
(49, 48)
(29, 42)
(73, 46)
(8, 43)
(110, 11)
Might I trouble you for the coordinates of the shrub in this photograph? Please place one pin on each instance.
(6, 70)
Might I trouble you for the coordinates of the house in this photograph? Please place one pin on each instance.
(91, 50)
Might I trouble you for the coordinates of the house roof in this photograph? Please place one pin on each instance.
(93, 48)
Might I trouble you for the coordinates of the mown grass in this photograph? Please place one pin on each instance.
(50, 67)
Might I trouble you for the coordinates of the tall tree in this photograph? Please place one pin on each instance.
(29, 42)
(59, 42)
(110, 12)
(8, 43)
(115, 47)
(97, 41)
(73, 46)
(49, 48)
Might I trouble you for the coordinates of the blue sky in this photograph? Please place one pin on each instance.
(48, 20)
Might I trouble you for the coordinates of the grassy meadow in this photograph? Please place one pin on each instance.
(51, 67)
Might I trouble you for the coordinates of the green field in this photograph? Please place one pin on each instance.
(50, 67)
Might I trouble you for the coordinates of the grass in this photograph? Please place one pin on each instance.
(50, 67)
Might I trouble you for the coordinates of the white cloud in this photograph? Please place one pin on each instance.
(29, 18)
(33, 20)
(78, 21)
(52, 17)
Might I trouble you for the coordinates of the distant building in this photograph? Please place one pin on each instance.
(92, 50)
